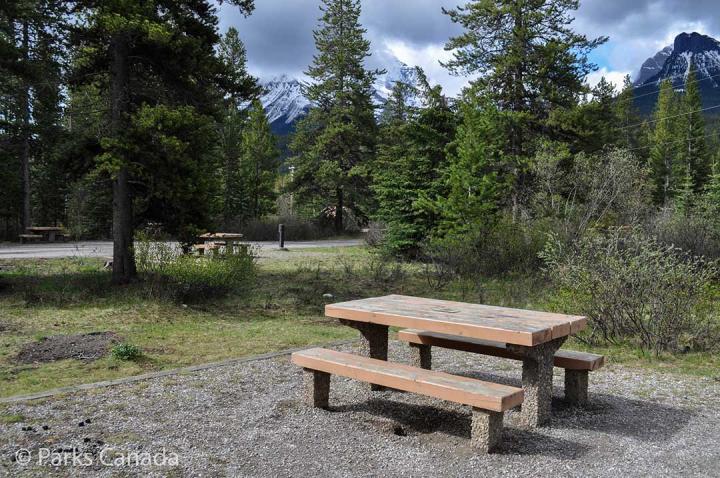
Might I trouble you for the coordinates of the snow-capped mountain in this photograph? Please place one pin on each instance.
(689, 48)
(653, 65)
(395, 73)
(284, 102)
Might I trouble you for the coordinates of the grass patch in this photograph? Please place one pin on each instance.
(10, 419)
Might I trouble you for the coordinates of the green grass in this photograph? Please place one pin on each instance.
(10, 419)
(284, 309)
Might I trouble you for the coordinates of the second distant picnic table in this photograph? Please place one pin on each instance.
(49, 233)
(231, 239)
(536, 336)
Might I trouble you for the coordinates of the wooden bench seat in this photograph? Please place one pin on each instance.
(488, 400)
(201, 248)
(577, 365)
(29, 237)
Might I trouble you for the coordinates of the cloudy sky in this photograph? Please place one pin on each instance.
(278, 35)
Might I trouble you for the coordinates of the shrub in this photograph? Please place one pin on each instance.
(194, 279)
(604, 190)
(126, 352)
(696, 232)
(633, 288)
(500, 247)
(375, 236)
(170, 274)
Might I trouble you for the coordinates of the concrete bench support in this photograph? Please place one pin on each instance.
(317, 388)
(486, 429)
(576, 387)
(537, 378)
(422, 356)
(374, 343)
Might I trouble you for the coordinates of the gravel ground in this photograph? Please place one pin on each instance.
(247, 420)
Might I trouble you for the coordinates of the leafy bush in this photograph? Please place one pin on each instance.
(126, 352)
(594, 191)
(169, 273)
(633, 288)
(696, 232)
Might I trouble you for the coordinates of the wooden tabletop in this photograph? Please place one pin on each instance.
(45, 229)
(498, 324)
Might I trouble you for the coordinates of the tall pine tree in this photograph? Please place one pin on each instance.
(664, 145)
(694, 157)
(335, 142)
(411, 157)
(529, 62)
(259, 161)
(163, 84)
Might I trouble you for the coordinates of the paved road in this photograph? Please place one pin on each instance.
(104, 249)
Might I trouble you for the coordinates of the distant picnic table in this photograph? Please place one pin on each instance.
(212, 241)
(43, 233)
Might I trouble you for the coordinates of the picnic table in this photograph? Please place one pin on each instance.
(533, 336)
(48, 234)
(213, 240)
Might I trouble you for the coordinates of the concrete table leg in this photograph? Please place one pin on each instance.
(422, 355)
(576, 387)
(537, 378)
(486, 429)
(317, 388)
(374, 343)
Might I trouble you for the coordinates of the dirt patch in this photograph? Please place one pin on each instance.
(59, 347)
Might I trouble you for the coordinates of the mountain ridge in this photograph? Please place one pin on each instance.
(688, 48)
(285, 104)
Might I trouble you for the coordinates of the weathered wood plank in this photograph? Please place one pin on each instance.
(467, 391)
(567, 359)
(498, 324)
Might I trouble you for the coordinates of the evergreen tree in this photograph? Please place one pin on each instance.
(163, 84)
(260, 161)
(237, 198)
(593, 124)
(335, 142)
(664, 145)
(411, 156)
(477, 177)
(529, 62)
(685, 194)
(29, 46)
(629, 134)
(693, 152)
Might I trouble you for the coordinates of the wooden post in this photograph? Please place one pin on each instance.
(281, 233)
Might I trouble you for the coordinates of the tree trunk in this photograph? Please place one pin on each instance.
(25, 138)
(256, 205)
(339, 226)
(123, 254)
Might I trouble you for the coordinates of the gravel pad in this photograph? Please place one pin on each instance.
(248, 420)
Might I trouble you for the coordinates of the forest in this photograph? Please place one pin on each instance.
(118, 117)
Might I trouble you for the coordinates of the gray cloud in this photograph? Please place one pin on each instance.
(639, 28)
(278, 35)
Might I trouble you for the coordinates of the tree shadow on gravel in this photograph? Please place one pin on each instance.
(425, 420)
(644, 420)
